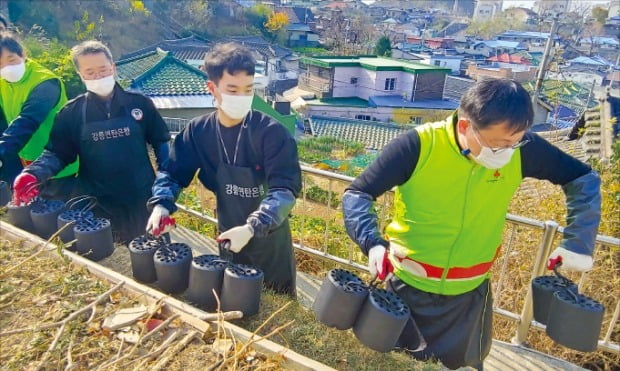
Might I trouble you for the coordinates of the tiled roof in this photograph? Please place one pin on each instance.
(455, 87)
(372, 134)
(130, 68)
(184, 49)
(170, 77)
(262, 46)
(397, 101)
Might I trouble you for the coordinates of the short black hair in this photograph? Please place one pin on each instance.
(10, 42)
(229, 57)
(492, 101)
(3, 21)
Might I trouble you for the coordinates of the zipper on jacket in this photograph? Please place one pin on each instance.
(444, 274)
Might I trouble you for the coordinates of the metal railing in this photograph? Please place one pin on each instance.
(310, 208)
(175, 125)
(315, 83)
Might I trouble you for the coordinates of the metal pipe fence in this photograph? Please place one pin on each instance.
(318, 230)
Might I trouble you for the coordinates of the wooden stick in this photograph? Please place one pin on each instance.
(182, 344)
(250, 340)
(92, 315)
(226, 316)
(118, 354)
(140, 342)
(69, 357)
(160, 349)
(160, 327)
(49, 350)
(71, 317)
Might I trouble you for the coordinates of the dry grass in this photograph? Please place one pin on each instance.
(544, 201)
(48, 289)
(335, 348)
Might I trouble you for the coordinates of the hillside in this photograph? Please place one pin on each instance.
(125, 25)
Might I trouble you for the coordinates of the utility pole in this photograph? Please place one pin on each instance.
(542, 68)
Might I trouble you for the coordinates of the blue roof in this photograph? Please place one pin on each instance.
(564, 112)
(601, 40)
(398, 101)
(499, 44)
(527, 34)
(592, 61)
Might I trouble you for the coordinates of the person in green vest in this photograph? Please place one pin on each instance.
(454, 181)
(30, 97)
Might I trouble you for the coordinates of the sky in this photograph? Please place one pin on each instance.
(530, 3)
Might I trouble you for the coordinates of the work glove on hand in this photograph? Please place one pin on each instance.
(379, 264)
(160, 221)
(569, 260)
(25, 189)
(238, 237)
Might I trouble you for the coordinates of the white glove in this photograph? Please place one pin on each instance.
(160, 221)
(378, 263)
(570, 260)
(238, 237)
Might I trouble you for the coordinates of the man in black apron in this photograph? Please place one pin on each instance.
(108, 128)
(248, 160)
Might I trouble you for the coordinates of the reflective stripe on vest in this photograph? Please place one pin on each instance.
(429, 271)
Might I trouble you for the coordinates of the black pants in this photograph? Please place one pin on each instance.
(456, 328)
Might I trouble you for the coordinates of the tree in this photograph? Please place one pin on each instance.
(383, 47)
(276, 22)
(600, 14)
(493, 26)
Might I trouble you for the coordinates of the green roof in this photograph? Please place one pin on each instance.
(131, 68)
(346, 102)
(372, 63)
(171, 76)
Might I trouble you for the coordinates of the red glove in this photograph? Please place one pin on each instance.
(554, 261)
(25, 189)
(160, 221)
(379, 264)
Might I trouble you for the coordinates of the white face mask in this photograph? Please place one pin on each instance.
(236, 106)
(14, 72)
(102, 87)
(495, 160)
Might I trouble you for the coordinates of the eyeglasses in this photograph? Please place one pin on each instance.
(478, 138)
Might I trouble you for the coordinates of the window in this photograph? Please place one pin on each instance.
(353, 80)
(390, 83)
(415, 120)
(437, 63)
(362, 117)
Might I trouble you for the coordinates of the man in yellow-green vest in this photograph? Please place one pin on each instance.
(454, 181)
(30, 97)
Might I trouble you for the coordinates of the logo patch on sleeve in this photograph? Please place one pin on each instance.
(137, 114)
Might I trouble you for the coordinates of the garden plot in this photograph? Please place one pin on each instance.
(55, 314)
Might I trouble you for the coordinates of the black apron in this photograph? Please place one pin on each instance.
(239, 192)
(115, 168)
(457, 328)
